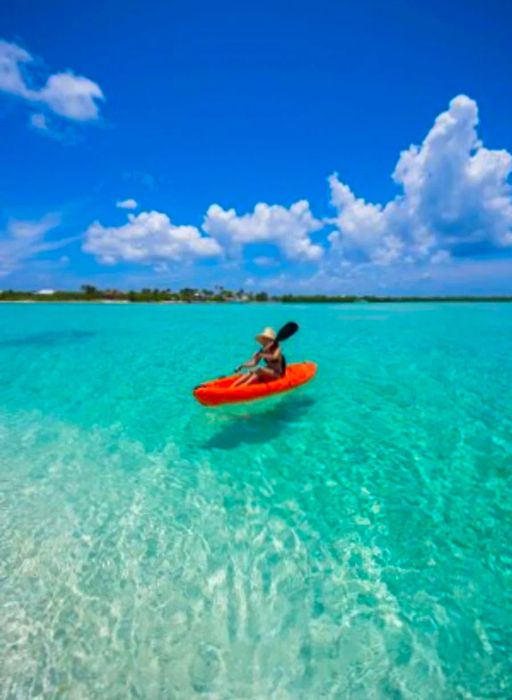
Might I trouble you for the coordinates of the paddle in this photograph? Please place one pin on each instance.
(287, 331)
(284, 333)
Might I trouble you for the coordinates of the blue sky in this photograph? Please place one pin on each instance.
(331, 146)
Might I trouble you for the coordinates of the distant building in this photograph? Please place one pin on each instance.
(46, 292)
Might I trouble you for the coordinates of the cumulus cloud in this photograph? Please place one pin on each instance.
(289, 229)
(71, 96)
(148, 238)
(456, 199)
(24, 240)
(127, 204)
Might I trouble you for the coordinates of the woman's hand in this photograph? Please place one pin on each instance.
(250, 363)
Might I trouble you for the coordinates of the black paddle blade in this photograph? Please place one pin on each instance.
(287, 331)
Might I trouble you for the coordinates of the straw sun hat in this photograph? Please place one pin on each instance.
(266, 335)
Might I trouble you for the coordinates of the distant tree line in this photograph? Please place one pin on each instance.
(90, 293)
(350, 299)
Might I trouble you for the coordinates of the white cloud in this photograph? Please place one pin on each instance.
(289, 229)
(148, 238)
(71, 96)
(24, 240)
(127, 204)
(456, 199)
(361, 226)
(39, 121)
(11, 77)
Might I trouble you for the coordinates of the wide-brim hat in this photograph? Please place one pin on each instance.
(266, 335)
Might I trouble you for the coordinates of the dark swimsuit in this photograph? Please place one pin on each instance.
(277, 366)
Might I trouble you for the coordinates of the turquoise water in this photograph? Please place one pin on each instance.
(349, 540)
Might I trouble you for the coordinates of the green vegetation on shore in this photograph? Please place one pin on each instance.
(89, 293)
(347, 299)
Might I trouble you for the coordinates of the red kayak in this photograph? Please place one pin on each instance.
(221, 391)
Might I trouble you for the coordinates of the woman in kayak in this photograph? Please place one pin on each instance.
(270, 353)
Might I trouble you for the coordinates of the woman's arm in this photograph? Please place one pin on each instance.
(253, 362)
(272, 356)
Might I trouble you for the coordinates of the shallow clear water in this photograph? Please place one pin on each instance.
(349, 540)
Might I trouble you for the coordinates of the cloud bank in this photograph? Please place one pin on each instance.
(69, 96)
(454, 202)
(151, 238)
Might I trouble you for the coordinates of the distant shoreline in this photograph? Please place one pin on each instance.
(387, 300)
(89, 294)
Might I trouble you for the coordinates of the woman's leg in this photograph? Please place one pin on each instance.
(261, 373)
(244, 379)
(267, 373)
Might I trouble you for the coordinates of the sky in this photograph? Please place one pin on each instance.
(328, 147)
